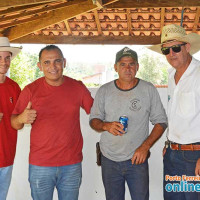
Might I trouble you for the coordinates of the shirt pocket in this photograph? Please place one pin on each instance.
(185, 104)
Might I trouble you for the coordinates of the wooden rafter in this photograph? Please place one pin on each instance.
(129, 21)
(98, 3)
(15, 23)
(97, 22)
(39, 11)
(107, 2)
(196, 21)
(162, 18)
(49, 19)
(69, 31)
(12, 3)
(21, 8)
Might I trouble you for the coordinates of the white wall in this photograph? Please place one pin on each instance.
(91, 187)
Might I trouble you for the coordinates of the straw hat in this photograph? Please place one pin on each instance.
(173, 32)
(5, 46)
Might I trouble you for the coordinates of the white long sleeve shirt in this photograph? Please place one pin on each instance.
(184, 105)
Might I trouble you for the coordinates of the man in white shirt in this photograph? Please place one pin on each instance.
(182, 150)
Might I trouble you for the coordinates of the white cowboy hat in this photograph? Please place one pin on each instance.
(175, 32)
(5, 46)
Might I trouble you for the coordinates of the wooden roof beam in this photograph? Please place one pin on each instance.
(49, 19)
(98, 22)
(128, 40)
(196, 21)
(12, 3)
(151, 3)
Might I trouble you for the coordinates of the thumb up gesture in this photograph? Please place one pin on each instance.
(29, 115)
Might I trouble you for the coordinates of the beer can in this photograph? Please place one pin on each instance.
(124, 121)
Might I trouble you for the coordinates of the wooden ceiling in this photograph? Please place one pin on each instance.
(94, 21)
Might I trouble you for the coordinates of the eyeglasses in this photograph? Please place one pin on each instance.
(175, 48)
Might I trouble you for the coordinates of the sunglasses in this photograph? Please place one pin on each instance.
(176, 48)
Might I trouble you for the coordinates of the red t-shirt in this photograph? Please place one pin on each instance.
(56, 138)
(9, 93)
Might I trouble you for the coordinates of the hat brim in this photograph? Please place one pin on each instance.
(192, 38)
(13, 50)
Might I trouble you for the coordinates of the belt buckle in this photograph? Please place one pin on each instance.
(167, 144)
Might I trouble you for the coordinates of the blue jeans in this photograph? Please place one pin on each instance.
(114, 175)
(180, 163)
(5, 178)
(66, 179)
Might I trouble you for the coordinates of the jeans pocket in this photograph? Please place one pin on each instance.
(191, 156)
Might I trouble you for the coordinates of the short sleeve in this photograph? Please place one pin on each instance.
(98, 108)
(87, 99)
(22, 102)
(157, 112)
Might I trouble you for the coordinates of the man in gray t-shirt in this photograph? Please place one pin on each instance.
(124, 155)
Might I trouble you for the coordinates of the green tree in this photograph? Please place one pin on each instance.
(153, 70)
(24, 69)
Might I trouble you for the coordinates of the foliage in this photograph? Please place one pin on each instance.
(153, 69)
(78, 70)
(24, 69)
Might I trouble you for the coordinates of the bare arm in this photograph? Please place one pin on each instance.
(28, 116)
(142, 151)
(197, 169)
(1, 116)
(114, 128)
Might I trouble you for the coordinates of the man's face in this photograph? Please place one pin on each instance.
(52, 64)
(126, 68)
(178, 59)
(5, 59)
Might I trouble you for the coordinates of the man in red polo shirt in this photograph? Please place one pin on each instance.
(9, 92)
(52, 105)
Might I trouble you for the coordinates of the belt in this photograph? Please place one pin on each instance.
(183, 147)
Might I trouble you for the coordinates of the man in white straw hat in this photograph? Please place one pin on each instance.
(182, 150)
(9, 92)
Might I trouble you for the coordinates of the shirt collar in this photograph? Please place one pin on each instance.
(192, 66)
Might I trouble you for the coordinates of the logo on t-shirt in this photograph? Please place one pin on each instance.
(11, 99)
(169, 98)
(135, 105)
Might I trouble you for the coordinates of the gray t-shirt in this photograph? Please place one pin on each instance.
(140, 104)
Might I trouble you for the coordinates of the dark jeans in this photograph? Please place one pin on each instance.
(178, 163)
(115, 174)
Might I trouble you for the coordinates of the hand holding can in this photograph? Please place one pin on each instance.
(124, 121)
